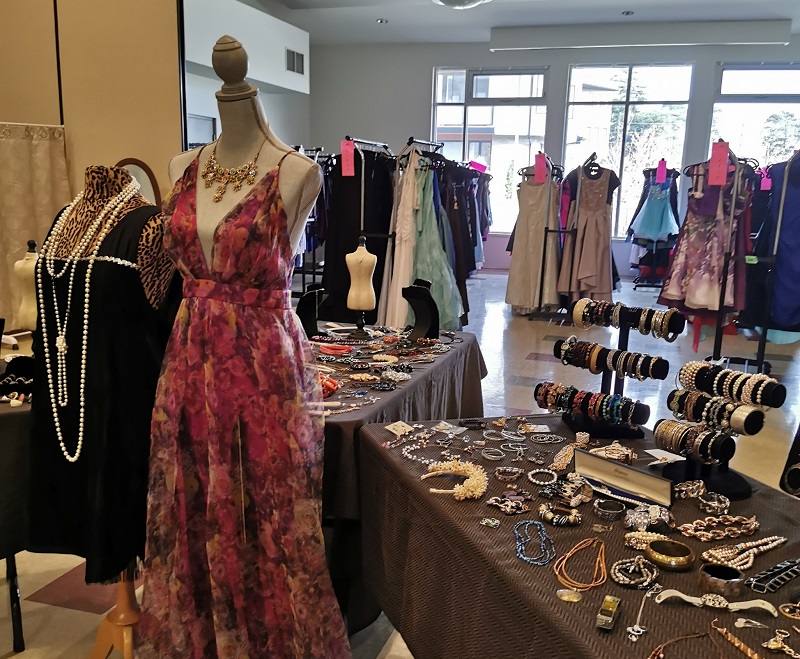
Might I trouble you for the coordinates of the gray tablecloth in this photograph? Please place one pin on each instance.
(14, 432)
(448, 388)
(456, 589)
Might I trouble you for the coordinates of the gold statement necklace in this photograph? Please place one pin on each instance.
(213, 172)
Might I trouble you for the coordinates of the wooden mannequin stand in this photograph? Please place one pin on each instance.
(116, 631)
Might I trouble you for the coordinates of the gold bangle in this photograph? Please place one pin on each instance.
(670, 555)
(593, 360)
(739, 417)
(577, 313)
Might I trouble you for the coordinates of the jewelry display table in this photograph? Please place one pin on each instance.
(454, 588)
(14, 432)
(449, 387)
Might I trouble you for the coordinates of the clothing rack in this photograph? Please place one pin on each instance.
(435, 146)
(526, 173)
(758, 364)
(642, 282)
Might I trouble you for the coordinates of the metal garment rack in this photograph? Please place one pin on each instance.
(538, 314)
(314, 268)
(759, 365)
(372, 145)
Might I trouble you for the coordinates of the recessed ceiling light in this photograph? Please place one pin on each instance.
(382, 21)
(627, 12)
(461, 4)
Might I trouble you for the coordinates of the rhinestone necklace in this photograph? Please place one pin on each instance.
(223, 175)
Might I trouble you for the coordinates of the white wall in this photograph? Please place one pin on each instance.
(383, 91)
(288, 114)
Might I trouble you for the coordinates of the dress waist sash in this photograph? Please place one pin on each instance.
(249, 297)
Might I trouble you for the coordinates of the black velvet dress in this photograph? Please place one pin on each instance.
(96, 507)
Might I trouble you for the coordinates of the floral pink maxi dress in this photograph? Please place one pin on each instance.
(235, 560)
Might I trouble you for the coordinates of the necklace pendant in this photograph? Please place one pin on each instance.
(61, 344)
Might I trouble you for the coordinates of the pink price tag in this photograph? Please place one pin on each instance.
(540, 168)
(348, 158)
(718, 165)
(477, 166)
(766, 181)
(661, 171)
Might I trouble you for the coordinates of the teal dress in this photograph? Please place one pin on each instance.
(430, 258)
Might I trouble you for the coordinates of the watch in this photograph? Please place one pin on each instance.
(715, 601)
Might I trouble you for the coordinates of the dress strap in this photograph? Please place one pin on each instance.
(285, 156)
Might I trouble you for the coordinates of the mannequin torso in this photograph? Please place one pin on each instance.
(361, 265)
(246, 133)
(25, 273)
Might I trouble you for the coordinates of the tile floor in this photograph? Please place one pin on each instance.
(518, 353)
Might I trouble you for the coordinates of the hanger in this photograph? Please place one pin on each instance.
(590, 166)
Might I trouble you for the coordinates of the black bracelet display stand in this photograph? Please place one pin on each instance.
(426, 313)
(753, 423)
(773, 395)
(603, 429)
(720, 479)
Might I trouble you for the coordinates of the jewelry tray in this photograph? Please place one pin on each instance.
(616, 480)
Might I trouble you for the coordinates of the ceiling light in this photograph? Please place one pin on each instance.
(461, 4)
(382, 21)
(627, 12)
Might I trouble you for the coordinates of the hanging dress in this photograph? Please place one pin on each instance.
(430, 259)
(586, 270)
(694, 277)
(538, 208)
(235, 556)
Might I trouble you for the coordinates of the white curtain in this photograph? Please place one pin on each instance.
(34, 186)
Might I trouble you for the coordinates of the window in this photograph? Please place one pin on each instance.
(631, 116)
(496, 119)
(758, 111)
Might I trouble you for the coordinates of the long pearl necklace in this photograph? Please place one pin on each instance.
(58, 394)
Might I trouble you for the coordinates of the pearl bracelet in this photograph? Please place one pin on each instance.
(553, 476)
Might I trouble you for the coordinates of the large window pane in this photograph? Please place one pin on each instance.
(506, 145)
(507, 85)
(654, 132)
(450, 86)
(596, 83)
(594, 129)
(661, 83)
(768, 132)
(760, 81)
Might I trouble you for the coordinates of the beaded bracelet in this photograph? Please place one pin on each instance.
(558, 516)
(636, 572)
(507, 474)
(553, 477)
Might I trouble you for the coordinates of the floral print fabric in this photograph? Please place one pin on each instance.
(235, 560)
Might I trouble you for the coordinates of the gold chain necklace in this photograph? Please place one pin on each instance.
(223, 175)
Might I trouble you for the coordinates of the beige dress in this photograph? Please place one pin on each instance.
(590, 273)
(525, 272)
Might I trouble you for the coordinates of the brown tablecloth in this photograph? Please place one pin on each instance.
(14, 443)
(448, 388)
(454, 588)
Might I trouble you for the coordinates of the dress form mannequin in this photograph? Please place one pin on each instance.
(361, 296)
(25, 272)
(245, 133)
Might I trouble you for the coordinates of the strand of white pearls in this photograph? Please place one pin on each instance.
(60, 398)
(742, 555)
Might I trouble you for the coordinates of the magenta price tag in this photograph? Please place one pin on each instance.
(540, 168)
(348, 158)
(718, 165)
(661, 171)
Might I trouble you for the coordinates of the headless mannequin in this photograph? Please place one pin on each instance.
(361, 265)
(25, 272)
(101, 184)
(245, 133)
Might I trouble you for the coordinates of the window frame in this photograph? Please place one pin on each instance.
(719, 97)
(471, 101)
(627, 103)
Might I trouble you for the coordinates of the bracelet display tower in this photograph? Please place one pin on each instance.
(710, 380)
(628, 319)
